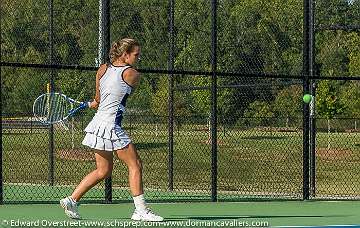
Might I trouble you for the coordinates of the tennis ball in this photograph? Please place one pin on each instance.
(307, 98)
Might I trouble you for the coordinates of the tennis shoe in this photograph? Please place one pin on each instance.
(146, 215)
(70, 207)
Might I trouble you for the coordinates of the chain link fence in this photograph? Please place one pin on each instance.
(260, 114)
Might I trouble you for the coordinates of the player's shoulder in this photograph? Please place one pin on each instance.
(131, 76)
(102, 69)
(130, 72)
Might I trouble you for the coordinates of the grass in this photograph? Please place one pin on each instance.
(251, 163)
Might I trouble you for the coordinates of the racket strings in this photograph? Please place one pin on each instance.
(52, 107)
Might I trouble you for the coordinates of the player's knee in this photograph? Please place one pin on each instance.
(104, 172)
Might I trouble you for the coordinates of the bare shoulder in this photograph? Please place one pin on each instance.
(131, 72)
(131, 76)
(101, 71)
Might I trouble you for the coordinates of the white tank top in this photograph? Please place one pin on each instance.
(114, 92)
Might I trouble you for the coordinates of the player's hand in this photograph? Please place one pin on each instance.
(94, 104)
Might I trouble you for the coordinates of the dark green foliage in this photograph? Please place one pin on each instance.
(254, 37)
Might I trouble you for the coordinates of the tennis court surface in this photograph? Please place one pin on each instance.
(226, 214)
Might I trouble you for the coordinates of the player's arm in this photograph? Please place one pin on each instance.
(101, 71)
(131, 77)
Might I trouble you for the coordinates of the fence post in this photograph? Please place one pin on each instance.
(213, 101)
(103, 57)
(308, 62)
(50, 89)
(171, 98)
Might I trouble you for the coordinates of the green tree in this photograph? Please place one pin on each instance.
(140, 99)
(336, 49)
(328, 104)
(255, 40)
(349, 96)
(201, 99)
(353, 45)
(76, 31)
(333, 55)
(330, 12)
(288, 103)
(159, 101)
(259, 112)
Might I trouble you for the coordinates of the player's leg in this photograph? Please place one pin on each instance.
(104, 166)
(131, 158)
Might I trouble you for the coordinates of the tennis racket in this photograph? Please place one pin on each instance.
(50, 108)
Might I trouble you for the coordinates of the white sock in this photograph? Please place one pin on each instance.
(73, 201)
(139, 202)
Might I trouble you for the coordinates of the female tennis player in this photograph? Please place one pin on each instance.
(114, 83)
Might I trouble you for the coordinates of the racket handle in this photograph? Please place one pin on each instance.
(83, 105)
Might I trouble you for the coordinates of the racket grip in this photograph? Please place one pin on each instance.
(84, 105)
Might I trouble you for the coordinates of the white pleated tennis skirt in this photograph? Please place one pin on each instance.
(103, 135)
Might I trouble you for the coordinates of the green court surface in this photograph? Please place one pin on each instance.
(240, 214)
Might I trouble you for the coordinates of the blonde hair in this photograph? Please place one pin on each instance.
(118, 48)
